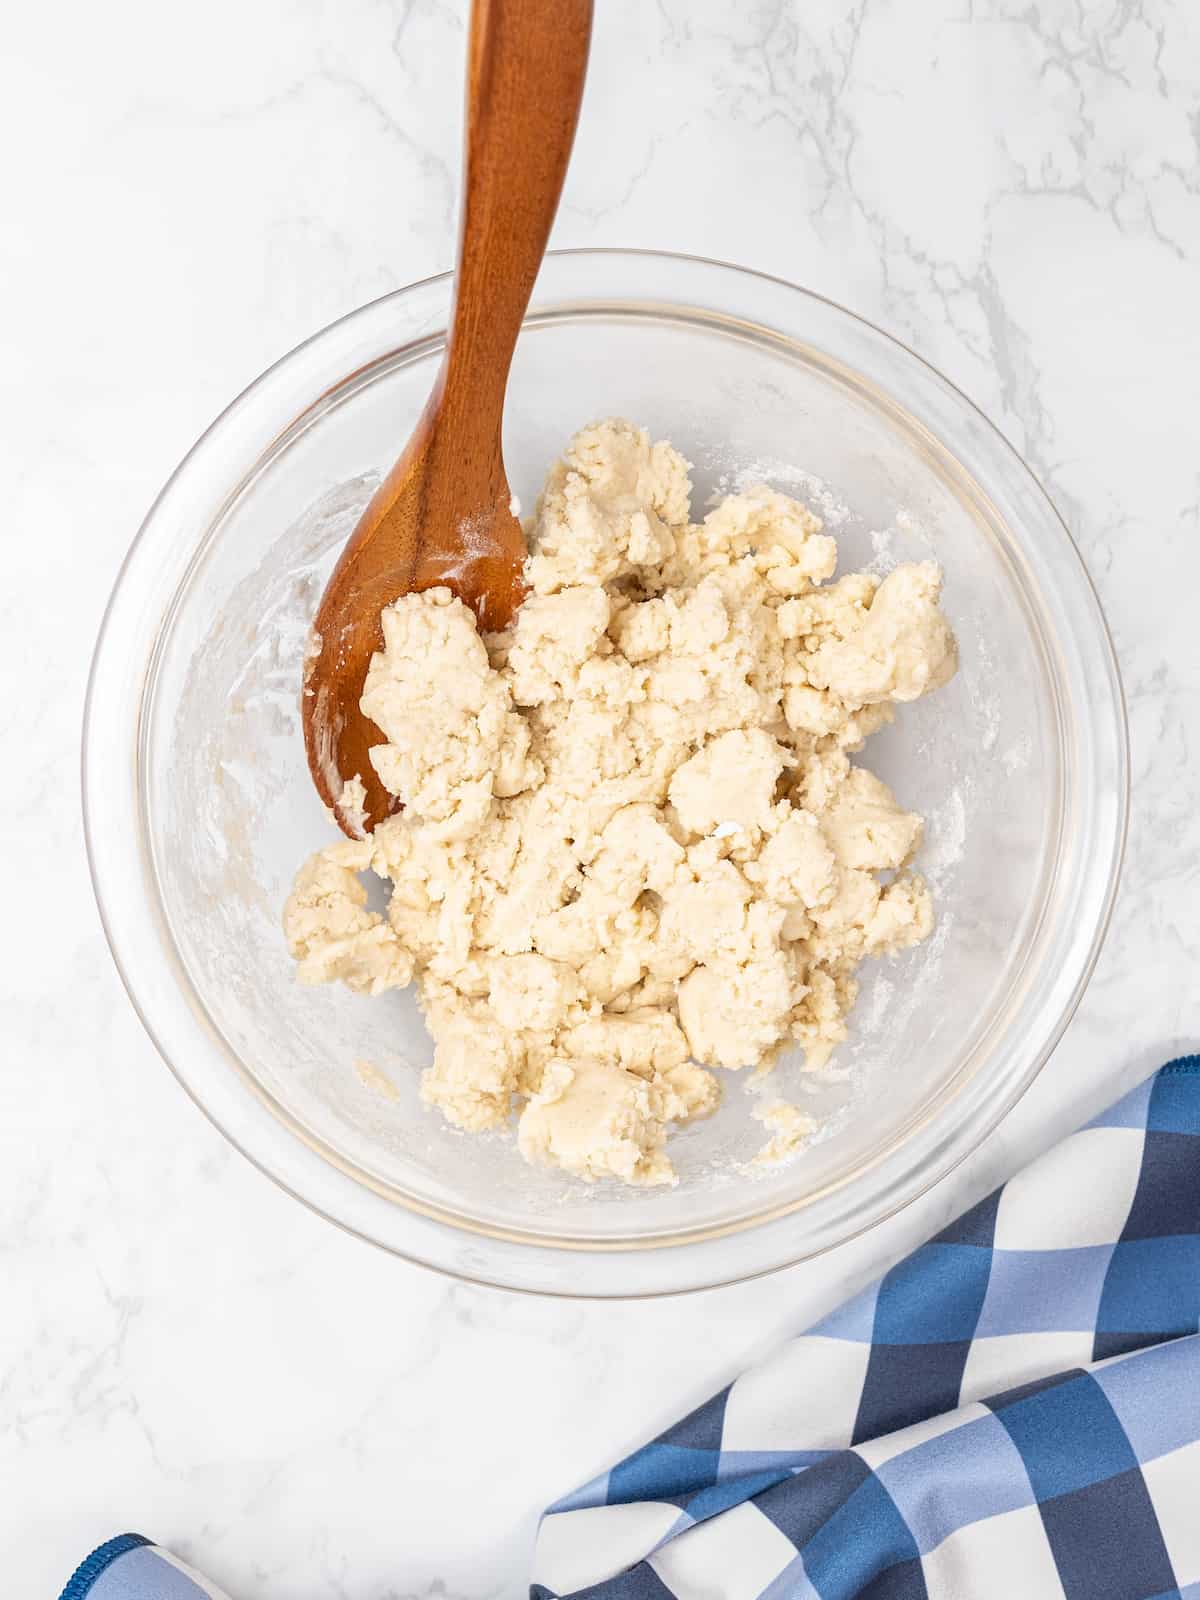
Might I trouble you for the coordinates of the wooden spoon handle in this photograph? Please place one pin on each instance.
(525, 69)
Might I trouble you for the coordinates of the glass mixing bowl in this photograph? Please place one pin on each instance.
(199, 807)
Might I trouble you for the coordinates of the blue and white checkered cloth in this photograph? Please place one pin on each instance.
(1012, 1413)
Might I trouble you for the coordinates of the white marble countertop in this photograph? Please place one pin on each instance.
(183, 1349)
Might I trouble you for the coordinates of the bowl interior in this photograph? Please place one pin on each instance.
(230, 813)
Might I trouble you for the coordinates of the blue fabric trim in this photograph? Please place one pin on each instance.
(90, 1568)
(1183, 1064)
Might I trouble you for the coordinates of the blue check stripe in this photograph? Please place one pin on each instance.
(850, 1468)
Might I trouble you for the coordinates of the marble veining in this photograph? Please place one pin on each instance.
(1012, 189)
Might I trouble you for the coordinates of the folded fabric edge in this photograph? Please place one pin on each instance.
(131, 1567)
(101, 1558)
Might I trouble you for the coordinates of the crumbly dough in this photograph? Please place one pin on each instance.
(633, 846)
(791, 1129)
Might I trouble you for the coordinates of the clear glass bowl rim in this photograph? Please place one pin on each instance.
(934, 1143)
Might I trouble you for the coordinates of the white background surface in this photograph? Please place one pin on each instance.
(189, 191)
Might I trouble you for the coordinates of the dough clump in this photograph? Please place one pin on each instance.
(633, 846)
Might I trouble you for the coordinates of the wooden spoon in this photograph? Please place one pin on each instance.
(443, 513)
